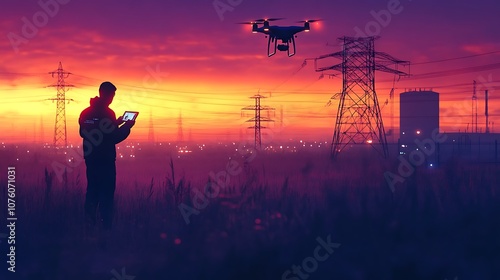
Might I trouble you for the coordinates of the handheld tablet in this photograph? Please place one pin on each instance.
(129, 116)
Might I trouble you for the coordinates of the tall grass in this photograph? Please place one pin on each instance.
(438, 224)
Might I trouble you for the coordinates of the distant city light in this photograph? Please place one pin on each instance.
(369, 141)
(418, 132)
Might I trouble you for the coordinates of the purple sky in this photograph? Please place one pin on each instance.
(203, 51)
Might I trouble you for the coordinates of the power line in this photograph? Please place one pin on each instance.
(459, 71)
(21, 73)
(455, 58)
(169, 90)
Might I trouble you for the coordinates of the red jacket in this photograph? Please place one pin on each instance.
(100, 132)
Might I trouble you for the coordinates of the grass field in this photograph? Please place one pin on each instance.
(440, 223)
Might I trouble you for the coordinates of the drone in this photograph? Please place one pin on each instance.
(284, 33)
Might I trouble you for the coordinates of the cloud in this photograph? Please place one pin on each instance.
(481, 48)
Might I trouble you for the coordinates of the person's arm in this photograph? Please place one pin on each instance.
(121, 133)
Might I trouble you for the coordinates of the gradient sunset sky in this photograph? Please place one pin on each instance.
(172, 57)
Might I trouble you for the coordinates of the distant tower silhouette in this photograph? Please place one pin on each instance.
(60, 137)
(180, 135)
(474, 108)
(486, 113)
(42, 135)
(151, 133)
(359, 120)
(281, 117)
(257, 119)
(393, 130)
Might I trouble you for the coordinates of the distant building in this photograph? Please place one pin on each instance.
(419, 118)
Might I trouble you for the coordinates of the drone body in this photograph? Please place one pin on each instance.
(285, 34)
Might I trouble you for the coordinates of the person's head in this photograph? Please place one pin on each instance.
(107, 92)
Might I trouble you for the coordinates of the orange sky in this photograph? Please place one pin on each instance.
(187, 59)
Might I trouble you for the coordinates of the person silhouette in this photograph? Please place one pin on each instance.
(101, 131)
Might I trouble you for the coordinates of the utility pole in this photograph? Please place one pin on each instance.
(60, 137)
(359, 120)
(257, 119)
(474, 109)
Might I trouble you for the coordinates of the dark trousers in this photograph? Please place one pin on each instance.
(101, 184)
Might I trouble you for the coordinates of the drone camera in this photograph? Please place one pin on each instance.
(283, 48)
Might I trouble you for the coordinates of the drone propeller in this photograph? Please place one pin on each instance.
(268, 19)
(309, 20)
(260, 21)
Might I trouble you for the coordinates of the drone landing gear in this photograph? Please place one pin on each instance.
(271, 39)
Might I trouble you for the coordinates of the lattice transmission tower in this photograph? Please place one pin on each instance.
(180, 133)
(258, 118)
(359, 120)
(60, 137)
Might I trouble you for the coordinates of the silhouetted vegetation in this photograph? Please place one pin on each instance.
(439, 223)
